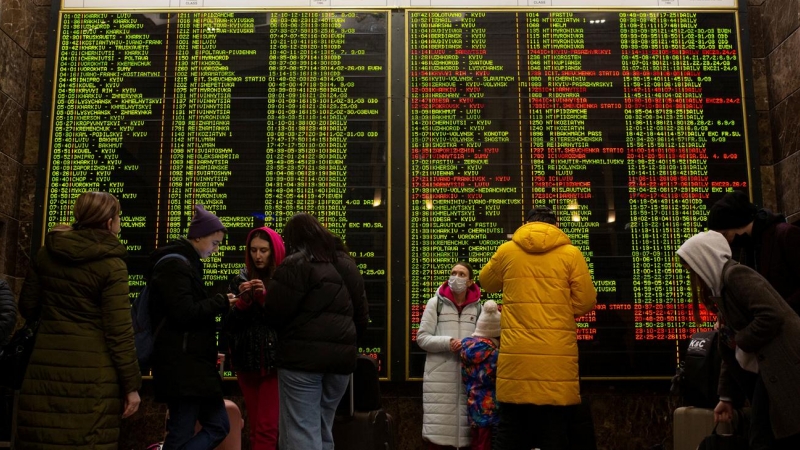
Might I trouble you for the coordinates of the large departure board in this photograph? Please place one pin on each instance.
(628, 124)
(257, 116)
(422, 137)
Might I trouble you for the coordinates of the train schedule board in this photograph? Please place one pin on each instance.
(629, 124)
(255, 115)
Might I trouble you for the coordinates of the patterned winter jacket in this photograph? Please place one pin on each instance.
(479, 372)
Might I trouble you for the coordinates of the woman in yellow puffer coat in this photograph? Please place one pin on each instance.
(546, 284)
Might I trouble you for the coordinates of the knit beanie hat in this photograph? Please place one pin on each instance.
(489, 321)
(733, 210)
(203, 223)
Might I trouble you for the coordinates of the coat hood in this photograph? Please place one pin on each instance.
(706, 253)
(278, 249)
(540, 237)
(81, 246)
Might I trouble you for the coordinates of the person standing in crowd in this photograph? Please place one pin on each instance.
(83, 376)
(449, 316)
(317, 303)
(761, 240)
(479, 374)
(184, 356)
(764, 332)
(546, 285)
(8, 312)
(253, 343)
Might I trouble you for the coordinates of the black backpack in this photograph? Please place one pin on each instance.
(143, 333)
(697, 376)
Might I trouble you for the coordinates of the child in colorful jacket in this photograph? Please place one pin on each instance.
(478, 371)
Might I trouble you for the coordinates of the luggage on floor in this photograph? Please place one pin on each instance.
(360, 422)
(690, 425)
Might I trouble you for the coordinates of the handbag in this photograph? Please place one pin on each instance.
(716, 441)
(15, 355)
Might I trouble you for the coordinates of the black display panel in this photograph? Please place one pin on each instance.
(256, 115)
(628, 124)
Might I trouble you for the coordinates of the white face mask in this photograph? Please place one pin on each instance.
(457, 284)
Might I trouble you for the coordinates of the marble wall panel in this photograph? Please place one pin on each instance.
(755, 26)
(9, 237)
(17, 20)
(41, 32)
(769, 197)
(36, 84)
(785, 124)
(42, 2)
(33, 128)
(9, 185)
(11, 127)
(764, 131)
(755, 2)
(24, 252)
(780, 18)
(760, 84)
(784, 78)
(27, 193)
(14, 66)
(787, 184)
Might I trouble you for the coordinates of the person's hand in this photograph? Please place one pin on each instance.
(723, 412)
(455, 345)
(232, 299)
(257, 285)
(244, 287)
(132, 402)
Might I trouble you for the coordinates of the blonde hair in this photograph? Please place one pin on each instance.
(92, 210)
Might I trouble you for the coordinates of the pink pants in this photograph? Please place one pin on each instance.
(261, 400)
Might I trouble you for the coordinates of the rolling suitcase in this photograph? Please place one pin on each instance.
(357, 428)
(691, 425)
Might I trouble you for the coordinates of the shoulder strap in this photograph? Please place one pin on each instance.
(170, 256)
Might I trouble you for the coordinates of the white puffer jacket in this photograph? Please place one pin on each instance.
(444, 400)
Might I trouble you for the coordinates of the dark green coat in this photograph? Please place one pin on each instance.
(84, 361)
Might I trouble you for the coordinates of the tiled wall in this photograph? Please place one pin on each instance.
(23, 41)
(775, 37)
(627, 415)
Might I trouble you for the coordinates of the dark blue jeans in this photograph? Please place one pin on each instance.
(184, 412)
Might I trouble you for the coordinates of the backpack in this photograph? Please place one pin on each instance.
(698, 375)
(143, 333)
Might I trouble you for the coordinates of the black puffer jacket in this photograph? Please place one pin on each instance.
(8, 312)
(185, 350)
(253, 344)
(319, 310)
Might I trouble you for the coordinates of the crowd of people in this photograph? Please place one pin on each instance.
(499, 377)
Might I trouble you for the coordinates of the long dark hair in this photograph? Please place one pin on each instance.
(304, 233)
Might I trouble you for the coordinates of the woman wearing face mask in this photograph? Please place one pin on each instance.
(253, 343)
(450, 316)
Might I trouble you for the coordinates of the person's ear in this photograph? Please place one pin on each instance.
(109, 224)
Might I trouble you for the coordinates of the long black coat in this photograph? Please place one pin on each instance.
(185, 349)
(767, 326)
(319, 310)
